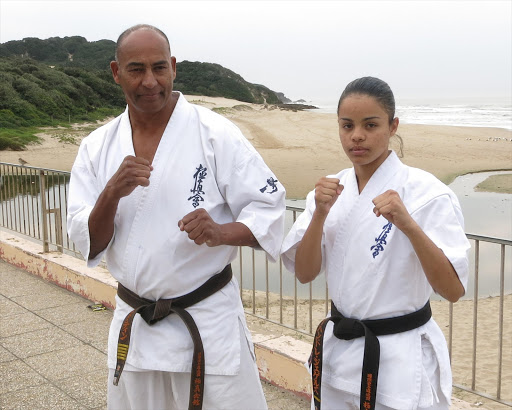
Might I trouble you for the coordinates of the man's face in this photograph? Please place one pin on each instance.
(146, 71)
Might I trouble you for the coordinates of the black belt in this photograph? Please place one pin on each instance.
(154, 311)
(348, 329)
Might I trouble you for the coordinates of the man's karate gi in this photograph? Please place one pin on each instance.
(373, 272)
(202, 161)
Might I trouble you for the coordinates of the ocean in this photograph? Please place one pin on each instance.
(469, 115)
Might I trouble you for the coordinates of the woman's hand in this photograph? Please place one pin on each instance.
(327, 191)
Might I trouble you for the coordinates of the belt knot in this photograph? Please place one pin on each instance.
(347, 328)
(156, 311)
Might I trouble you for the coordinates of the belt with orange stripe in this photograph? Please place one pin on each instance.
(348, 329)
(154, 311)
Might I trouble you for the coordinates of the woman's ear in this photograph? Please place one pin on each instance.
(394, 125)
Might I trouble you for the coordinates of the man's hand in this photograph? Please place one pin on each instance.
(201, 228)
(327, 191)
(132, 172)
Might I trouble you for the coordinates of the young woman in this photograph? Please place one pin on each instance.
(386, 235)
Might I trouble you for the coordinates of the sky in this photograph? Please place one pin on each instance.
(431, 51)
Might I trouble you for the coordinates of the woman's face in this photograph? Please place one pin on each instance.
(365, 131)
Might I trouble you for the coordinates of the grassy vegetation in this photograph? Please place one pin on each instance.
(18, 138)
(33, 94)
(232, 110)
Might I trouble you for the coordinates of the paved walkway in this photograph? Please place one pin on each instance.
(53, 349)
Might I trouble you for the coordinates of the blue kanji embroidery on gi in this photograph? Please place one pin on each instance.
(199, 176)
(380, 241)
(271, 182)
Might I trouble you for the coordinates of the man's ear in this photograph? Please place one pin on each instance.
(173, 65)
(114, 66)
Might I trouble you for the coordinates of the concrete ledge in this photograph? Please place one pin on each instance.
(63, 270)
(280, 358)
(281, 362)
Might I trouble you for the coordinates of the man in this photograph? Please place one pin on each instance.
(166, 192)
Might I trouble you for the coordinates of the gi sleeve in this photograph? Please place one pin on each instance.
(252, 191)
(293, 238)
(442, 221)
(83, 193)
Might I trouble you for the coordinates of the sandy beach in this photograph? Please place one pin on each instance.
(302, 146)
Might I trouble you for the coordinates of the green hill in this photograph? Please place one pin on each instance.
(58, 80)
(214, 80)
(68, 51)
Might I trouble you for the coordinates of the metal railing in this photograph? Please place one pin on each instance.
(33, 203)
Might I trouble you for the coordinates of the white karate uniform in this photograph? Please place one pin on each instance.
(373, 272)
(202, 161)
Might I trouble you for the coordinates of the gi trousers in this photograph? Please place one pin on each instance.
(334, 399)
(156, 390)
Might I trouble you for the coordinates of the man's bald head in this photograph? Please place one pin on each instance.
(137, 27)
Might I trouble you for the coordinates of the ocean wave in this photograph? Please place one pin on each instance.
(468, 115)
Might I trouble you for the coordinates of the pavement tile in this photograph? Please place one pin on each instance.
(75, 312)
(6, 356)
(49, 297)
(17, 375)
(46, 396)
(279, 399)
(92, 332)
(12, 284)
(38, 342)
(22, 323)
(89, 389)
(72, 362)
(9, 308)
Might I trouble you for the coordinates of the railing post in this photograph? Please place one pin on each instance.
(280, 291)
(450, 330)
(253, 282)
(266, 288)
(500, 325)
(241, 275)
(475, 314)
(58, 228)
(310, 307)
(44, 210)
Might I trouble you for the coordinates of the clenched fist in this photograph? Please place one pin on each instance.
(201, 228)
(327, 191)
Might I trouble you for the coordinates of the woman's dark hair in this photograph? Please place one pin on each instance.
(380, 90)
(373, 87)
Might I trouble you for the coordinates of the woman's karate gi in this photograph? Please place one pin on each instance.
(202, 161)
(373, 272)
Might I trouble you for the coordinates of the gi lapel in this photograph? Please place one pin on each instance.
(352, 208)
(141, 200)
